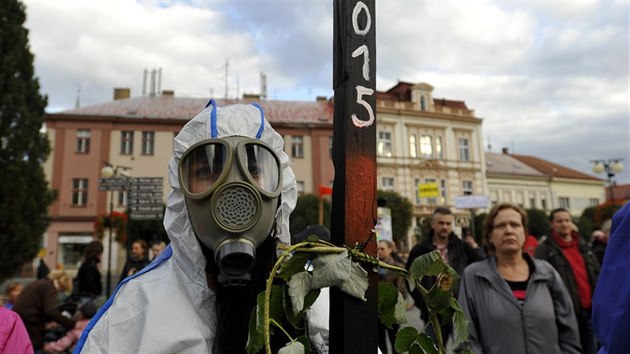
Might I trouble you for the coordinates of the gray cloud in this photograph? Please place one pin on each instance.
(549, 79)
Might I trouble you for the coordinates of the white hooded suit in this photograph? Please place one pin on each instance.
(167, 307)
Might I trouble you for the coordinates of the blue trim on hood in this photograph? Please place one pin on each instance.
(213, 119)
(164, 255)
(262, 120)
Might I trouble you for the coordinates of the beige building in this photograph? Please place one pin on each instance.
(420, 139)
(423, 139)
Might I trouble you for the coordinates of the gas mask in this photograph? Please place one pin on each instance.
(231, 187)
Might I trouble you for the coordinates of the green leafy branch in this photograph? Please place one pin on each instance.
(305, 268)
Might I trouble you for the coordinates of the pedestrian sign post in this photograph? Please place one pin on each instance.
(145, 198)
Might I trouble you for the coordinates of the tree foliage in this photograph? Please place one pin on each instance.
(24, 191)
(307, 213)
(401, 211)
(538, 222)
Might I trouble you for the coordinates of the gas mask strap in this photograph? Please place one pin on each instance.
(213, 119)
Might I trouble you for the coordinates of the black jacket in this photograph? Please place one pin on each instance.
(134, 264)
(89, 278)
(460, 255)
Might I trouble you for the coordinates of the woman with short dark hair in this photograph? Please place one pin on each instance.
(515, 303)
(89, 277)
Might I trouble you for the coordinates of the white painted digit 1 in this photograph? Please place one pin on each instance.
(355, 120)
(366, 60)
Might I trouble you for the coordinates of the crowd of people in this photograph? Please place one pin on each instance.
(49, 314)
(519, 295)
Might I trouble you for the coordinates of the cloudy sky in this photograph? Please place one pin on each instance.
(549, 78)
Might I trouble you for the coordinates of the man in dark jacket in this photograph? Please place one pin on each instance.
(456, 253)
(566, 250)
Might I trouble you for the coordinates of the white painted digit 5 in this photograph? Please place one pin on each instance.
(355, 120)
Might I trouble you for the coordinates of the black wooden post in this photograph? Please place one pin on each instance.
(354, 323)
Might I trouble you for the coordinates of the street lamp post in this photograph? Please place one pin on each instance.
(109, 174)
(610, 166)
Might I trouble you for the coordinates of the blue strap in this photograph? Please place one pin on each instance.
(262, 120)
(164, 255)
(213, 119)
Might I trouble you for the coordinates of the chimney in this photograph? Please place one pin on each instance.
(168, 92)
(321, 99)
(120, 93)
(506, 151)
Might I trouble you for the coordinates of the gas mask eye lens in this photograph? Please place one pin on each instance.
(262, 167)
(203, 166)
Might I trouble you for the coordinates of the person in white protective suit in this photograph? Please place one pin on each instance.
(232, 194)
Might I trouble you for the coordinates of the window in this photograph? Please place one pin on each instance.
(443, 191)
(300, 188)
(388, 183)
(426, 147)
(432, 200)
(467, 187)
(122, 200)
(439, 154)
(564, 202)
(417, 182)
(148, 139)
(412, 146)
(543, 204)
(593, 202)
(423, 104)
(385, 144)
(83, 141)
(126, 143)
(330, 146)
(464, 150)
(297, 147)
(79, 192)
(532, 202)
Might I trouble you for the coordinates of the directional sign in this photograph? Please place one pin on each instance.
(114, 187)
(145, 194)
(147, 180)
(146, 208)
(146, 216)
(472, 201)
(145, 187)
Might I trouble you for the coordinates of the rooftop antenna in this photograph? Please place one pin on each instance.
(159, 81)
(263, 85)
(77, 104)
(226, 78)
(144, 82)
(489, 144)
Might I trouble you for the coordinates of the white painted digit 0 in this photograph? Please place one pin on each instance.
(366, 60)
(355, 15)
(355, 120)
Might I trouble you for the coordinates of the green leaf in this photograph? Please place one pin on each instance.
(312, 238)
(400, 310)
(331, 270)
(292, 317)
(260, 307)
(299, 286)
(408, 339)
(428, 264)
(460, 324)
(427, 344)
(405, 338)
(386, 303)
(255, 338)
(293, 265)
(357, 284)
(292, 348)
(276, 310)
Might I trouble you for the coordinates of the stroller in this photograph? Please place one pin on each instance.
(70, 308)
